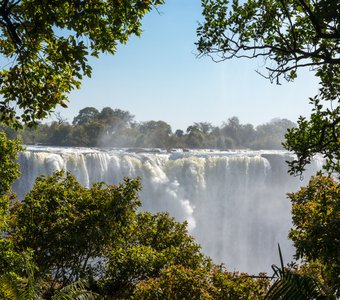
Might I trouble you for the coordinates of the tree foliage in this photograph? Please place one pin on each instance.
(86, 116)
(9, 172)
(9, 168)
(68, 225)
(118, 128)
(13, 265)
(154, 243)
(318, 135)
(288, 35)
(178, 282)
(291, 285)
(316, 231)
(271, 135)
(298, 282)
(47, 45)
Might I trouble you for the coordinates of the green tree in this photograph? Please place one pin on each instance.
(318, 135)
(316, 231)
(155, 134)
(68, 226)
(86, 116)
(176, 282)
(292, 33)
(205, 127)
(9, 168)
(271, 135)
(235, 285)
(200, 135)
(115, 118)
(234, 134)
(248, 135)
(9, 172)
(288, 34)
(60, 134)
(11, 133)
(179, 133)
(194, 137)
(13, 265)
(47, 45)
(232, 129)
(179, 282)
(154, 243)
(116, 123)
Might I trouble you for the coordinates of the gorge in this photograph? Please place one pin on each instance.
(234, 201)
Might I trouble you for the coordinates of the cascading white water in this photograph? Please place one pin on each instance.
(234, 202)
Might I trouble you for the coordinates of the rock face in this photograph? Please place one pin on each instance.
(234, 202)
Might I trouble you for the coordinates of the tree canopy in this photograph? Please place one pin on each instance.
(288, 35)
(86, 116)
(47, 44)
(9, 168)
(118, 128)
(316, 217)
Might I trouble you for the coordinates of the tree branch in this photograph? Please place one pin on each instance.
(11, 28)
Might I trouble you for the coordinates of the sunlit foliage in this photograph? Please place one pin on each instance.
(46, 45)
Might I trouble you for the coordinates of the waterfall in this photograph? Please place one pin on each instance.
(234, 201)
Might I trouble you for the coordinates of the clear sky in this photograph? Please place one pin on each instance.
(159, 77)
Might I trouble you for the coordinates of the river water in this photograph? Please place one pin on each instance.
(234, 201)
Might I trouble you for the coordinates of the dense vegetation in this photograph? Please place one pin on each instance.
(288, 35)
(121, 253)
(316, 216)
(117, 128)
(45, 46)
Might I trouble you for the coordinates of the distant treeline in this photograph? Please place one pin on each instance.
(117, 128)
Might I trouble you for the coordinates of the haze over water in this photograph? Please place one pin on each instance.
(234, 201)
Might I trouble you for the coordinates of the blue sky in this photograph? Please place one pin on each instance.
(159, 77)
